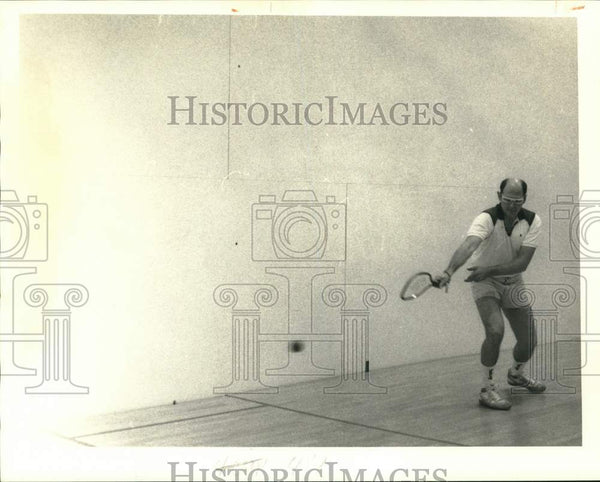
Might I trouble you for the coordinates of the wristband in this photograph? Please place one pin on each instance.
(449, 275)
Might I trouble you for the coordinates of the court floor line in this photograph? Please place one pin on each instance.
(71, 439)
(166, 422)
(348, 422)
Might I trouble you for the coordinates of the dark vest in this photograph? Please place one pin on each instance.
(497, 213)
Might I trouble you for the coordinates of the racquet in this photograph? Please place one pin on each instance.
(417, 285)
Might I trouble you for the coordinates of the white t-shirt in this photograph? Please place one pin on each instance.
(497, 246)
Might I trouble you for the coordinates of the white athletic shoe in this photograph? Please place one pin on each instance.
(489, 397)
(520, 380)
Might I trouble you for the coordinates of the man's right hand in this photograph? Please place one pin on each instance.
(442, 280)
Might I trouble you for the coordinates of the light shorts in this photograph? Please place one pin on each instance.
(509, 290)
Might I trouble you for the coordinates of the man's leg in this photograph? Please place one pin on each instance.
(493, 323)
(524, 330)
(523, 327)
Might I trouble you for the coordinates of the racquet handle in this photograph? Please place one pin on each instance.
(436, 284)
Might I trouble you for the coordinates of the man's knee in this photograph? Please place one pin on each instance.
(494, 333)
(491, 316)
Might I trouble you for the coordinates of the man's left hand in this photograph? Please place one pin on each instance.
(478, 273)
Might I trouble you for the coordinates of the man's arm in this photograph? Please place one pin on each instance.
(517, 265)
(463, 253)
(460, 257)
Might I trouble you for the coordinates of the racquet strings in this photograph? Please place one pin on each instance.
(417, 285)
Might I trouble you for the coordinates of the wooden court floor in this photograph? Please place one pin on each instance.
(432, 403)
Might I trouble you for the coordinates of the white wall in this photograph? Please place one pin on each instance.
(147, 215)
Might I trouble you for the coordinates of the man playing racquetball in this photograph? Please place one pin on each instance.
(501, 242)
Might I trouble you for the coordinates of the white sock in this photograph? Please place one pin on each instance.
(517, 367)
(487, 375)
